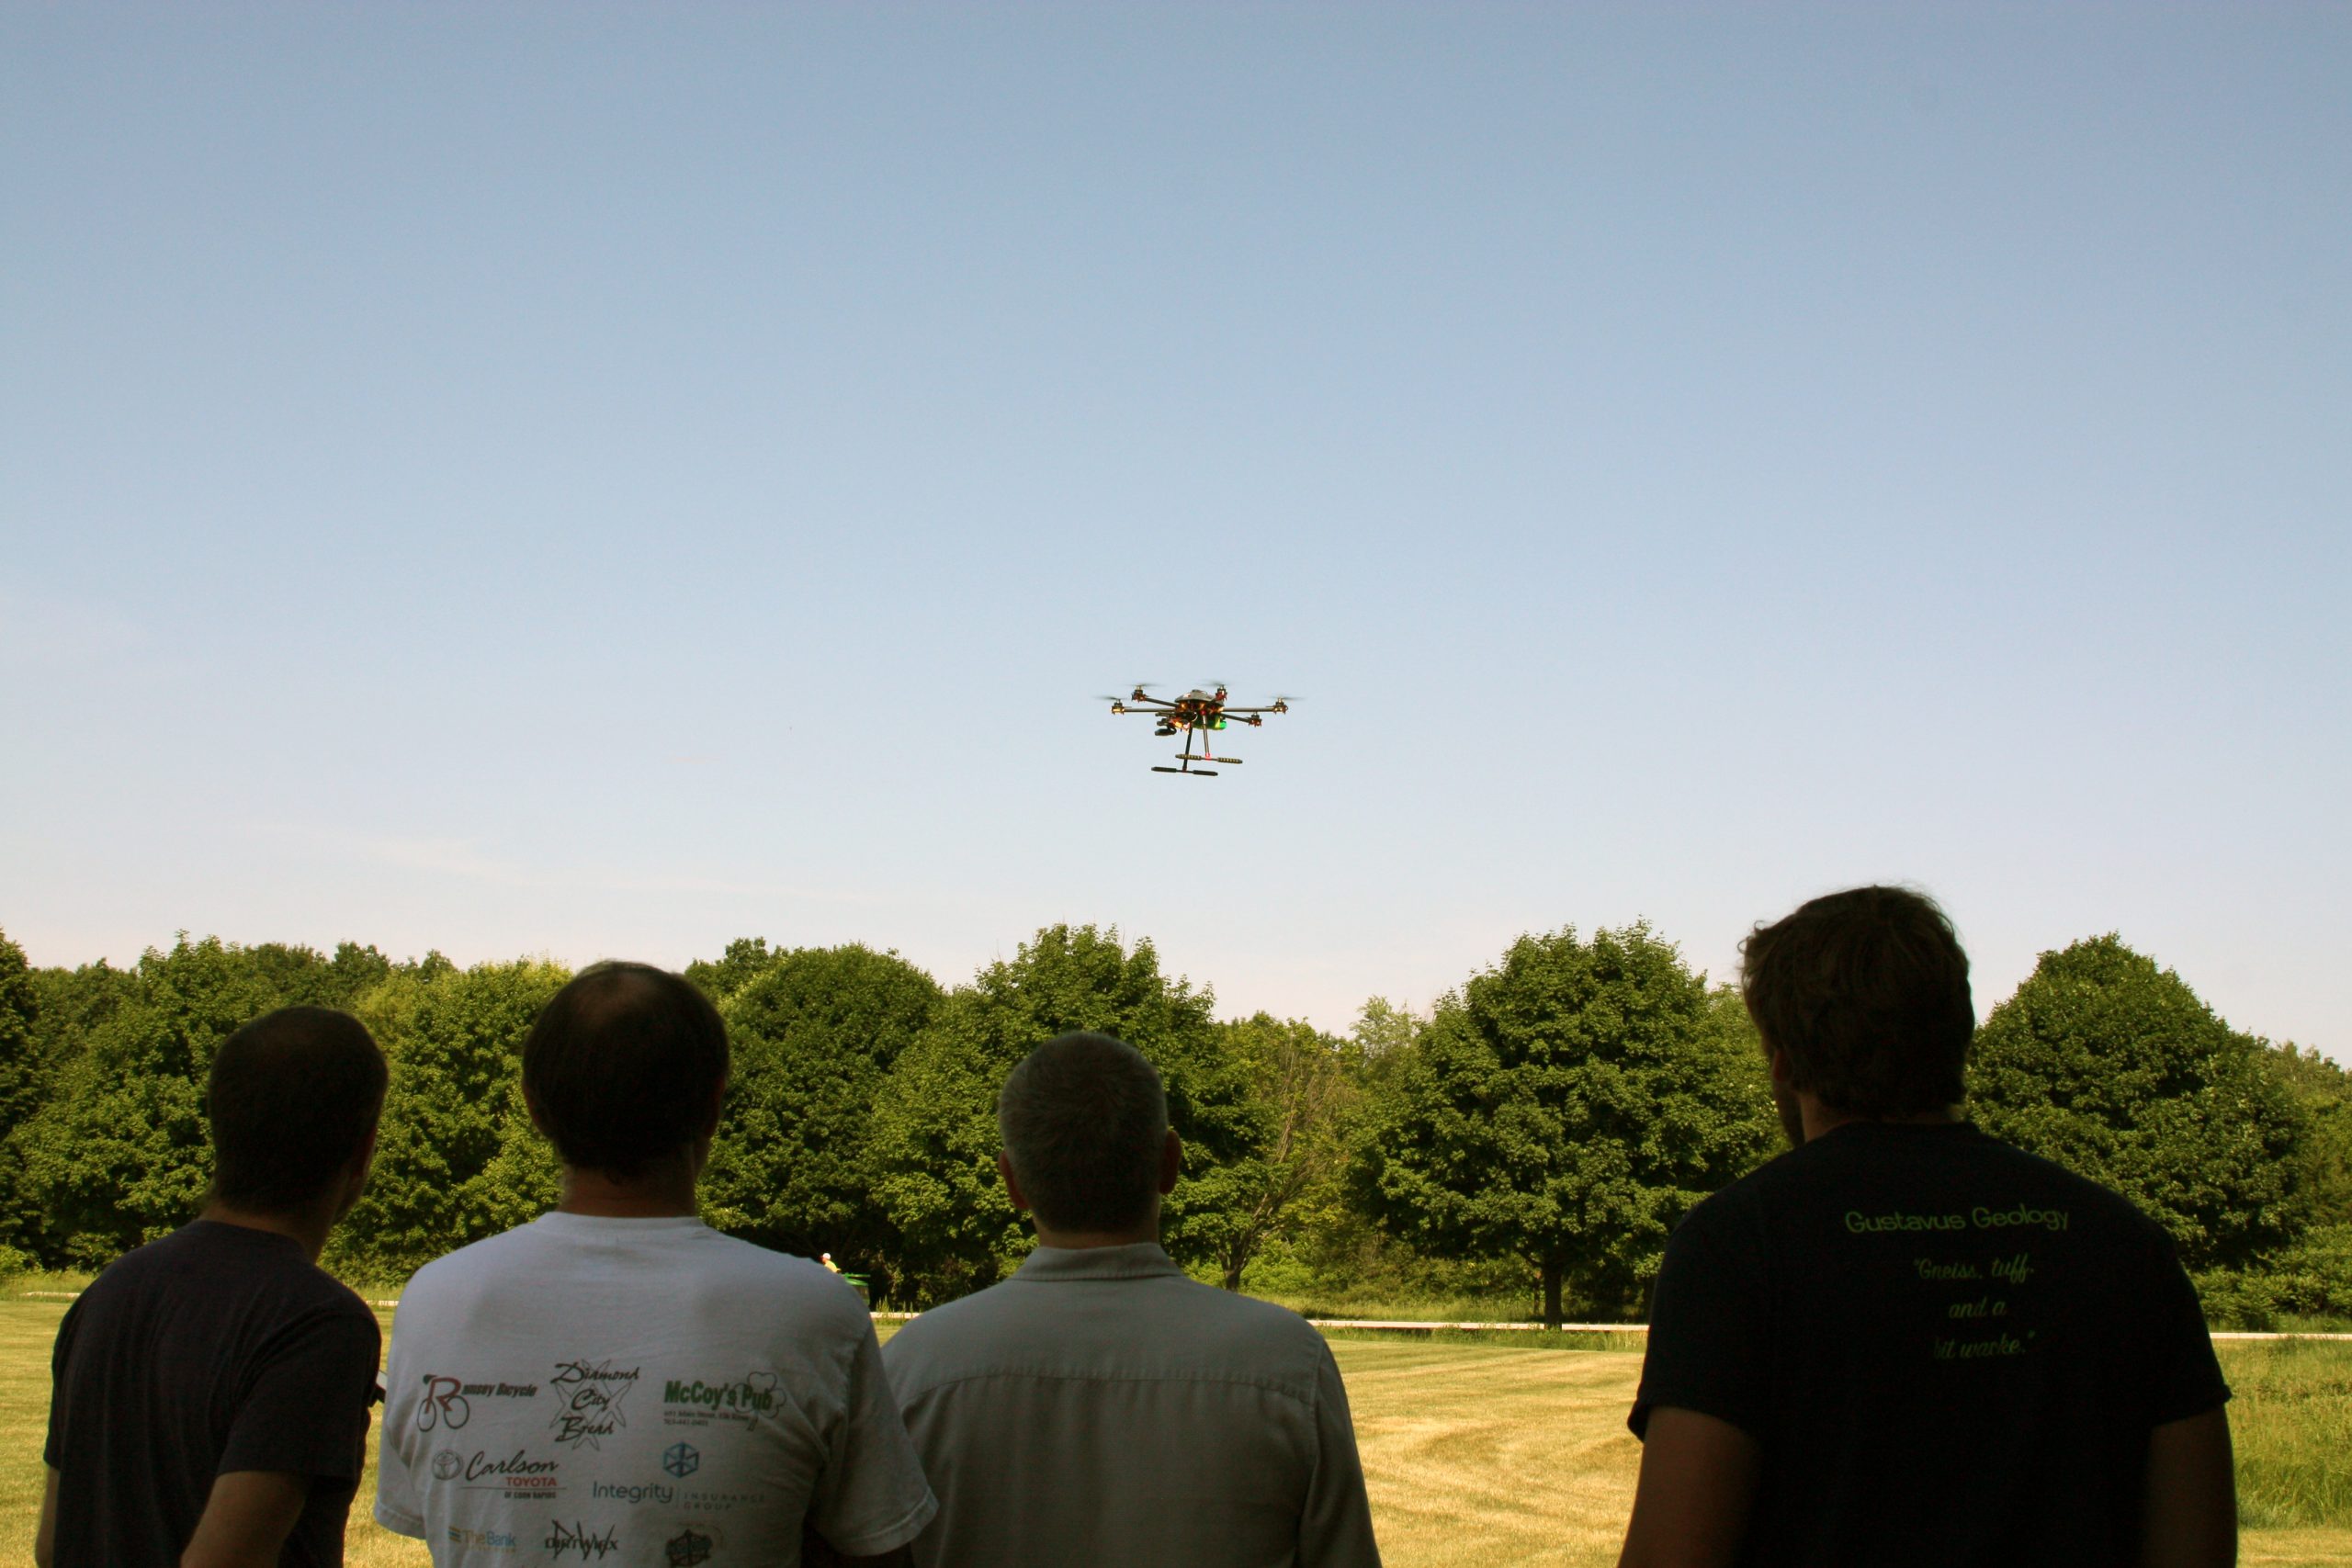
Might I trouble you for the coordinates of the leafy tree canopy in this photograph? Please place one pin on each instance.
(1300, 1084)
(455, 1041)
(121, 1153)
(746, 958)
(2115, 1070)
(23, 1080)
(813, 1032)
(1566, 1106)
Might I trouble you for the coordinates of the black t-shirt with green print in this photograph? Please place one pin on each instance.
(1950, 1350)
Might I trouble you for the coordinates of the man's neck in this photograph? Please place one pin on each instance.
(1080, 1241)
(307, 1228)
(1820, 1119)
(664, 1192)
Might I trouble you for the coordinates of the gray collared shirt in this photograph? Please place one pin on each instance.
(1100, 1407)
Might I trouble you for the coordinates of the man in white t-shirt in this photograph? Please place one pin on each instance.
(1099, 1406)
(617, 1384)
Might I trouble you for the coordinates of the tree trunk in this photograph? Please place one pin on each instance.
(1551, 1292)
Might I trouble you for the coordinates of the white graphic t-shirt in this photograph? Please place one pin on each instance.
(638, 1391)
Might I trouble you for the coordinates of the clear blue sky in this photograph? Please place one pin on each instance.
(602, 481)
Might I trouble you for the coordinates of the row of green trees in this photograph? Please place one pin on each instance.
(1539, 1133)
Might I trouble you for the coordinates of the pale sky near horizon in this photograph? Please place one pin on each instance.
(602, 480)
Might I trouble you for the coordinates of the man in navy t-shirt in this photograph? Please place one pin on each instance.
(211, 1389)
(1903, 1341)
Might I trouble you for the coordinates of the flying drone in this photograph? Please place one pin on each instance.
(1195, 710)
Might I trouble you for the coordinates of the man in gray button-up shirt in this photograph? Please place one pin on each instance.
(1099, 1407)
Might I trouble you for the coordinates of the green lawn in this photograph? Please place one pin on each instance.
(1482, 1454)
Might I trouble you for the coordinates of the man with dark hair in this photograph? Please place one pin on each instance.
(1902, 1342)
(616, 1381)
(1099, 1407)
(211, 1389)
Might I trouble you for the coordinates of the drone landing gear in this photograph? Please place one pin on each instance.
(1186, 759)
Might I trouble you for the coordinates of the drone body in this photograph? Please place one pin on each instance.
(1196, 710)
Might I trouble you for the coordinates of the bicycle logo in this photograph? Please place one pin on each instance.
(443, 1406)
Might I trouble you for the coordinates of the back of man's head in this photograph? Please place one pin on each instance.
(1866, 993)
(292, 1100)
(1084, 1120)
(624, 1068)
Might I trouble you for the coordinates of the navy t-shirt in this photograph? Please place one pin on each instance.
(1950, 1351)
(218, 1348)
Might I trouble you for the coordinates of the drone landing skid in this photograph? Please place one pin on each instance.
(1195, 772)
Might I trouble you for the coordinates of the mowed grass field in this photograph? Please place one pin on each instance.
(1481, 1455)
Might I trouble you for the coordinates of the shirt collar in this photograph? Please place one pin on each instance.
(1061, 1265)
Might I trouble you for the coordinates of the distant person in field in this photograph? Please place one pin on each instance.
(1902, 1342)
(1099, 1407)
(617, 1384)
(211, 1389)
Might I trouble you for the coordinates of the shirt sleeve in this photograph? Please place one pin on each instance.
(305, 1407)
(1706, 1323)
(399, 1505)
(872, 1498)
(54, 1451)
(1335, 1528)
(2184, 1375)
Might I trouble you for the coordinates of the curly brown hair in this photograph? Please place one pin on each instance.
(1866, 993)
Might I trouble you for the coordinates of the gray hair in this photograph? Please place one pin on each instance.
(1083, 1119)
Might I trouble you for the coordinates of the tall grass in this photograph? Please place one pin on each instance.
(2292, 1421)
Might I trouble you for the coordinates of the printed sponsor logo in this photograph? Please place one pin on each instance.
(717, 1499)
(516, 1475)
(593, 1393)
(578, 1539)
(743, 1400)
(681, 1459)
(687, 1548)
(483, 1541)
(444, 1405)
(641, 1492)
(448, 1402)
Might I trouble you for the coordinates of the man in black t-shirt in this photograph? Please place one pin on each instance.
(1904, 1342)
(211, 1389)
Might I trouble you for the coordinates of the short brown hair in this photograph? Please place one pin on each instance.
(1083, 1119)
(292, 1099)
(1866, 992)
(622, 1067)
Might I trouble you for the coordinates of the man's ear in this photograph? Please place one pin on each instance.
(1781, 1070)
(1171, 1162)
(531, 1108)
(1011, 1187)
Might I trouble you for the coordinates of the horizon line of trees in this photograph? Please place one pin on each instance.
(1535, 1135)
